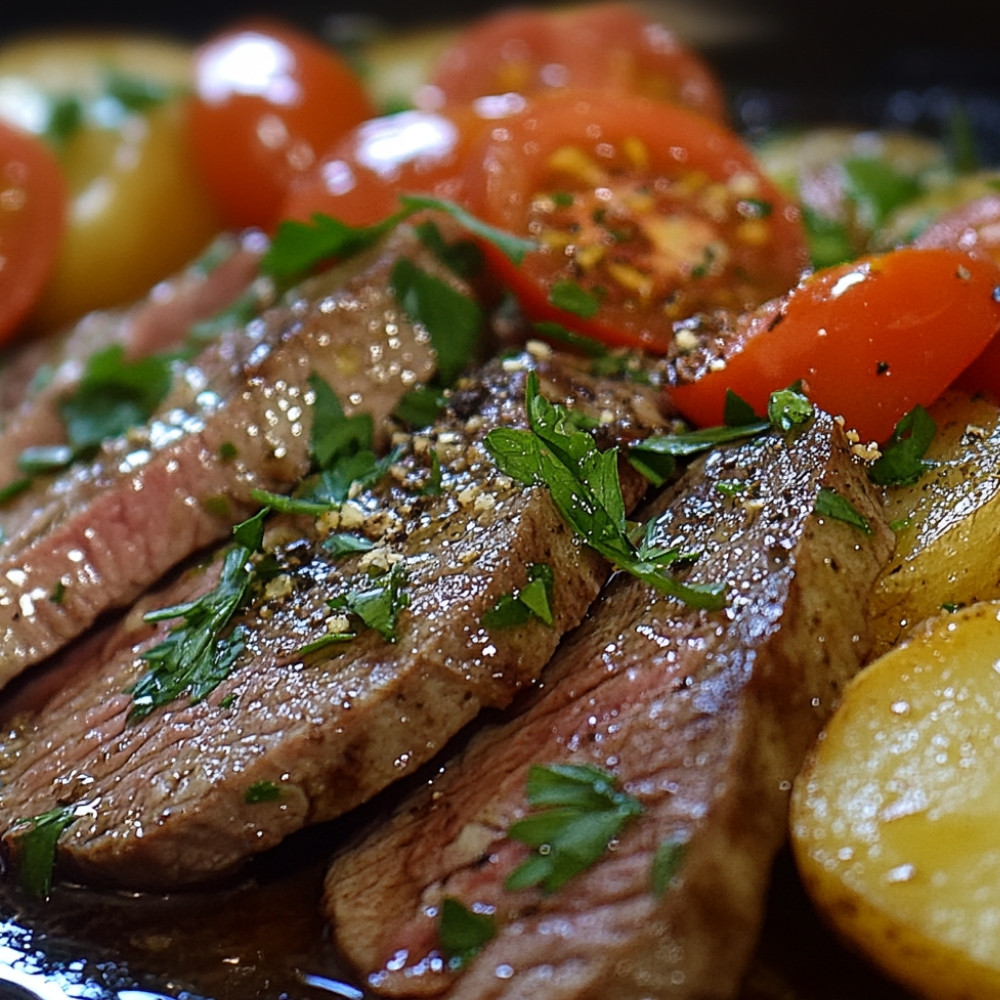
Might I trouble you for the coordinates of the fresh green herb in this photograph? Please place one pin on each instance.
(533, 600)
(829, 503)
(899, 524)
(36, 848)
(196, 656)
(432, 488)
(666, 863)
(732, 487)
(463, 932)
(452, 320)
(828, 239)
(877, 188)
(58, 593)
(461, 257)
(228, 701)
(297, 247)
(15, 488)
(573, 298)
(583, 482)
(902, 461)
(344, 543)
(135, 93)
(379, 603)
(579, 811)
(420, 407)
(227, 451)
(737, 412)
(788, 409)
(951, 607)
(262, 791)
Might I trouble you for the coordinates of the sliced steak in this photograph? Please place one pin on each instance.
(176, 796)
(702, 716)
(237, 418)
(35, 376)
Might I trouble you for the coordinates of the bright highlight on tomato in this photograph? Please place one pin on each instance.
(611, 47)
(644, 213)
(869, 340)
(268, 101)
(33, 204)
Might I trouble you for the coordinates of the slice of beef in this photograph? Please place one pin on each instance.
(36, 375)
(702, 716)
(236, 419)
(291, 737)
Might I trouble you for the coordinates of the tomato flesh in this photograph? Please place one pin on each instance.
(644, 214)
(33, 206)
(611, 47)
(869, 340)
(268, 101)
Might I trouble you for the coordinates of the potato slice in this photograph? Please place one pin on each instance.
(947, 524)
(896, 816)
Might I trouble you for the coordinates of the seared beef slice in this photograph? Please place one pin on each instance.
(292, 737)
(702, 716)
(237, 419)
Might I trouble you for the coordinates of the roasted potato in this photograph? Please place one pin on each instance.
(894, 818)
(947, 524)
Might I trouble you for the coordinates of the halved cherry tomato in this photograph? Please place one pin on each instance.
(645, 214)
(268, 100)
(359, 178)
(612, 47)
(869, 340)
(33, 204)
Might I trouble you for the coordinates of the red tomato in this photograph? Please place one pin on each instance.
(33, 206)
(268, 100)
(974, 227)
(359, 179)
(869, 339)
(645, 213)
(612, 47)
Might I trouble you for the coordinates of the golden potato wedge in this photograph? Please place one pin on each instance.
(896, 817)
(947, 524)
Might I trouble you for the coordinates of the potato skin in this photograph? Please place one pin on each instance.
(895, 817)
(947, 524)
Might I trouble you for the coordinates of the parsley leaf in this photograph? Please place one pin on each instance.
(579, 811)
(533, 600)
(262, 791)
(584, 485)
(463, 932)
(666, 862)
(788, 409)
(452, 320)
(37, 848)
(902, 460)
(574, 299)
(196, 657)
(829, 503)
(378, 604)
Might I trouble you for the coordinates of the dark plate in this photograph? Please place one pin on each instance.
(260, 937)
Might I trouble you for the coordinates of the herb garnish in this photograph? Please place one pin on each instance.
(533, 600)
(666, 863)
(463, 932)
(196, 656)
(378, 602)
(574, 299)
(829, 503)
(584, 485)
(902, 460)
(579, 811)
(262, 791)
(37, 848)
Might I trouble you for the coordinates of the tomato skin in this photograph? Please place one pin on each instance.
(33, 206)
(870, 339)
(268, 100)
(358, 180)
(677, 149)
(612, 47)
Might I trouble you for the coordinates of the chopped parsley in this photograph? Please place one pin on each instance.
(36, 848)
(579, 810)
(463, 932)
(574, 299)
(583, 482)
(902, 461)
(197, 655)
(829, 503)
(377, 602)
(262, 791)
(533, 600)
(666, 863)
